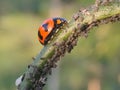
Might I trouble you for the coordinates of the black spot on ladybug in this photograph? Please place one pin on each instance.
(40, 36)
(45, 26)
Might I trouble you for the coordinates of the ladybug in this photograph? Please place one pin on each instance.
(48, 29)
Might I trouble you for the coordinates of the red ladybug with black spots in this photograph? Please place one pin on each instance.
(48, 29)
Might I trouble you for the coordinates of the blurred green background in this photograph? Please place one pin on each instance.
(94, 64)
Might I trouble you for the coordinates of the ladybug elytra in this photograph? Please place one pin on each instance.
(48, 29)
